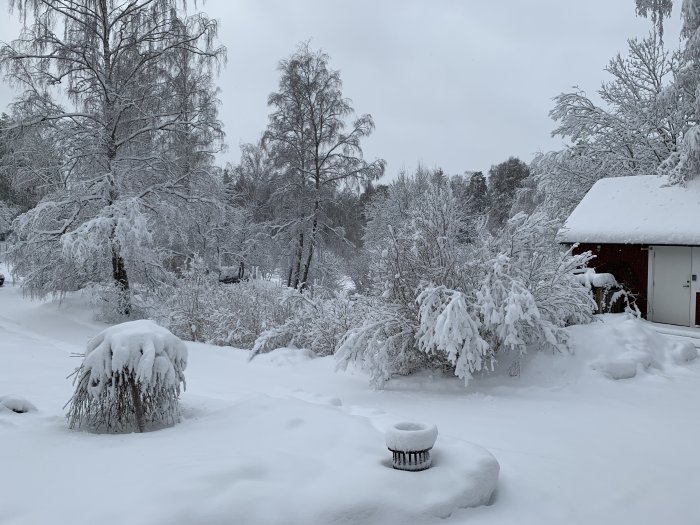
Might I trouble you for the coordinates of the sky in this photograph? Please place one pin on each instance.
(456, 84)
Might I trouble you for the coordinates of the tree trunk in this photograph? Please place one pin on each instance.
(312, 241)
(118, 268)
(310, 256)
(122, 282)
(297, 264)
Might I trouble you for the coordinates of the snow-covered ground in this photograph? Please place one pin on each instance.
(285, 439)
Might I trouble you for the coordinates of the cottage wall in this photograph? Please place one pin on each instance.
(629, 263)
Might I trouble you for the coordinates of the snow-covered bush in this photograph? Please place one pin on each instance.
(446, 300)
(255, 314)
(129, 379)
(109, 302)
(197, 307)
(316, 323)
(446, 326)
(546, 269)
(383, 343)
(609, 295)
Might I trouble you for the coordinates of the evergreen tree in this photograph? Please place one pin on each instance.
(504, 180)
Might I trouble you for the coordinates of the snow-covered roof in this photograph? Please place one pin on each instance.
(636, 210)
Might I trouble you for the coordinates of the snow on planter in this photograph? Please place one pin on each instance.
(129, 379)
(16, 404)
(410, 444)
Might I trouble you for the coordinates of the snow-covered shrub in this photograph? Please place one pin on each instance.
(197, 307)
(316, 323)
(546, 269)
(183, 306)
(129, 379)
(609, 295)
(383, 343)
(446, 326)
(110, 302)
(443, 299)
(252, 314)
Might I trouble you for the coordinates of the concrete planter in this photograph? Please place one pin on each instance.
(410, 445)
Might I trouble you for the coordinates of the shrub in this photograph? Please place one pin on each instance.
(197, 307)
(446, 300)
(316, 323)
(129, 379)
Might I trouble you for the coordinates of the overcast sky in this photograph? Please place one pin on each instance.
(459, 84)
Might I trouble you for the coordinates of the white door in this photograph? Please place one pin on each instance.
(672, 285)
(695, 288)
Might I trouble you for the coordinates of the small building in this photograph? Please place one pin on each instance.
(647, 234)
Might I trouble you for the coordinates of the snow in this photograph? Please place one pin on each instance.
(151, 352)
(633, 346)
(589, 278)
(636, 210)
(283, 439)
(407, 436)
(684, 352)
(16, 404)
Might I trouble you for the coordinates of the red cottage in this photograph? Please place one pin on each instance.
(647, 234)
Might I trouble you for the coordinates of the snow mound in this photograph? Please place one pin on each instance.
(616, 368)
(337, 463)
(684, 352)
(633, 346)
(16, 404)
(286, 356)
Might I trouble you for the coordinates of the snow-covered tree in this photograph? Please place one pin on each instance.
(635, 129)
(29, 160)
(657, 10)
(315, 150)
(683, 162)
(107, 81)
(503, 183)
(7, 214)
(254, 238)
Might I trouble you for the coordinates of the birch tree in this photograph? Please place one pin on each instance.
(633, 132)
(98, 75)
(316, 150)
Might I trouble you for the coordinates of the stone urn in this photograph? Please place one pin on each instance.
(410, 444)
